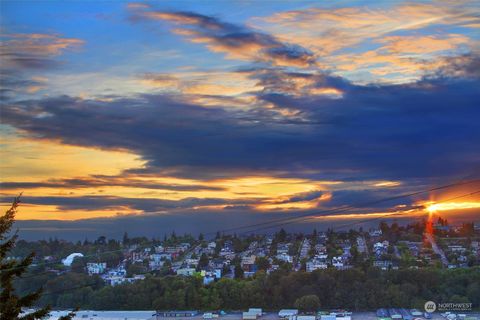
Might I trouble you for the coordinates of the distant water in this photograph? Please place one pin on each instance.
(207, 223)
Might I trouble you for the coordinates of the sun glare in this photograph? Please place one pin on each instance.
(435, 207)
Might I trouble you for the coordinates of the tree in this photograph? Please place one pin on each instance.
(262, 263)
(203, 261)
(238, 271)
(102, 240)
(135, 268)
(309, 303)
(125, 239)
(281, 235)
(79, 265)
(10, 304)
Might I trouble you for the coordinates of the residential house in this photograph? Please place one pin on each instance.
(186, 272)
(285, 257)
(96, 268)
(315, 265)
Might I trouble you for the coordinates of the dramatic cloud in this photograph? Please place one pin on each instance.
(371, 130)
(24, 53)
(144, 204)
(33, 51)
(371, 43)
(202, 85)
(103, 181)
(238, 42)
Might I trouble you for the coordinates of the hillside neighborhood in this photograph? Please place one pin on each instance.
(315, 276)
(231, 256)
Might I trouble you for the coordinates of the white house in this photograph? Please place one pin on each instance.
(375, 233)
(285, 257)
(96, 268)
(315, 265)
(337, 262)
(212, 245)
(186, 272)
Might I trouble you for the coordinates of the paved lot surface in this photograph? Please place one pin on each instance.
(147, 315)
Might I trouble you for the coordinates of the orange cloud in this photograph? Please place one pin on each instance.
(208, 87)
(166, 81)
(38, 44)
(326, 31)
(236, 41)
(423, 44)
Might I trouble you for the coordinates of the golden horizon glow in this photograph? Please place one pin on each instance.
(311, 204)
(52, 212)
(381, 184)
(26, 159)
(448, 206)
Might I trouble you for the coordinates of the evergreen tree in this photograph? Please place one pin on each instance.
(238, 271)
(125, 239)
(203, 262)
(11, 305)
(281, 235)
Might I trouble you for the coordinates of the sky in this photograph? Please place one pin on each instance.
(209, 115)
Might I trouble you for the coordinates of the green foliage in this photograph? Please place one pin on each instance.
(203, 261)
(135, 268)
(238, 271)
(354, 289)
(308, 303)
(262, 263)
(10, 303)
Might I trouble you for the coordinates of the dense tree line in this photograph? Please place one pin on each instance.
(354, 289)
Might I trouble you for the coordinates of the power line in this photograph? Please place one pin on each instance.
(354, 206)
(402, 213)
(356, 222)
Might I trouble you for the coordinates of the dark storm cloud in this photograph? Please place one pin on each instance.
(236, 41)
(366, 200)
(466, 66)
(426, 129)
(111, 202)
(304, 196)
(103, 181)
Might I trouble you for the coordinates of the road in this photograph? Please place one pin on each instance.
(437, 249)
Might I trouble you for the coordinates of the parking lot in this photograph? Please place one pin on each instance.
(147, 315)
